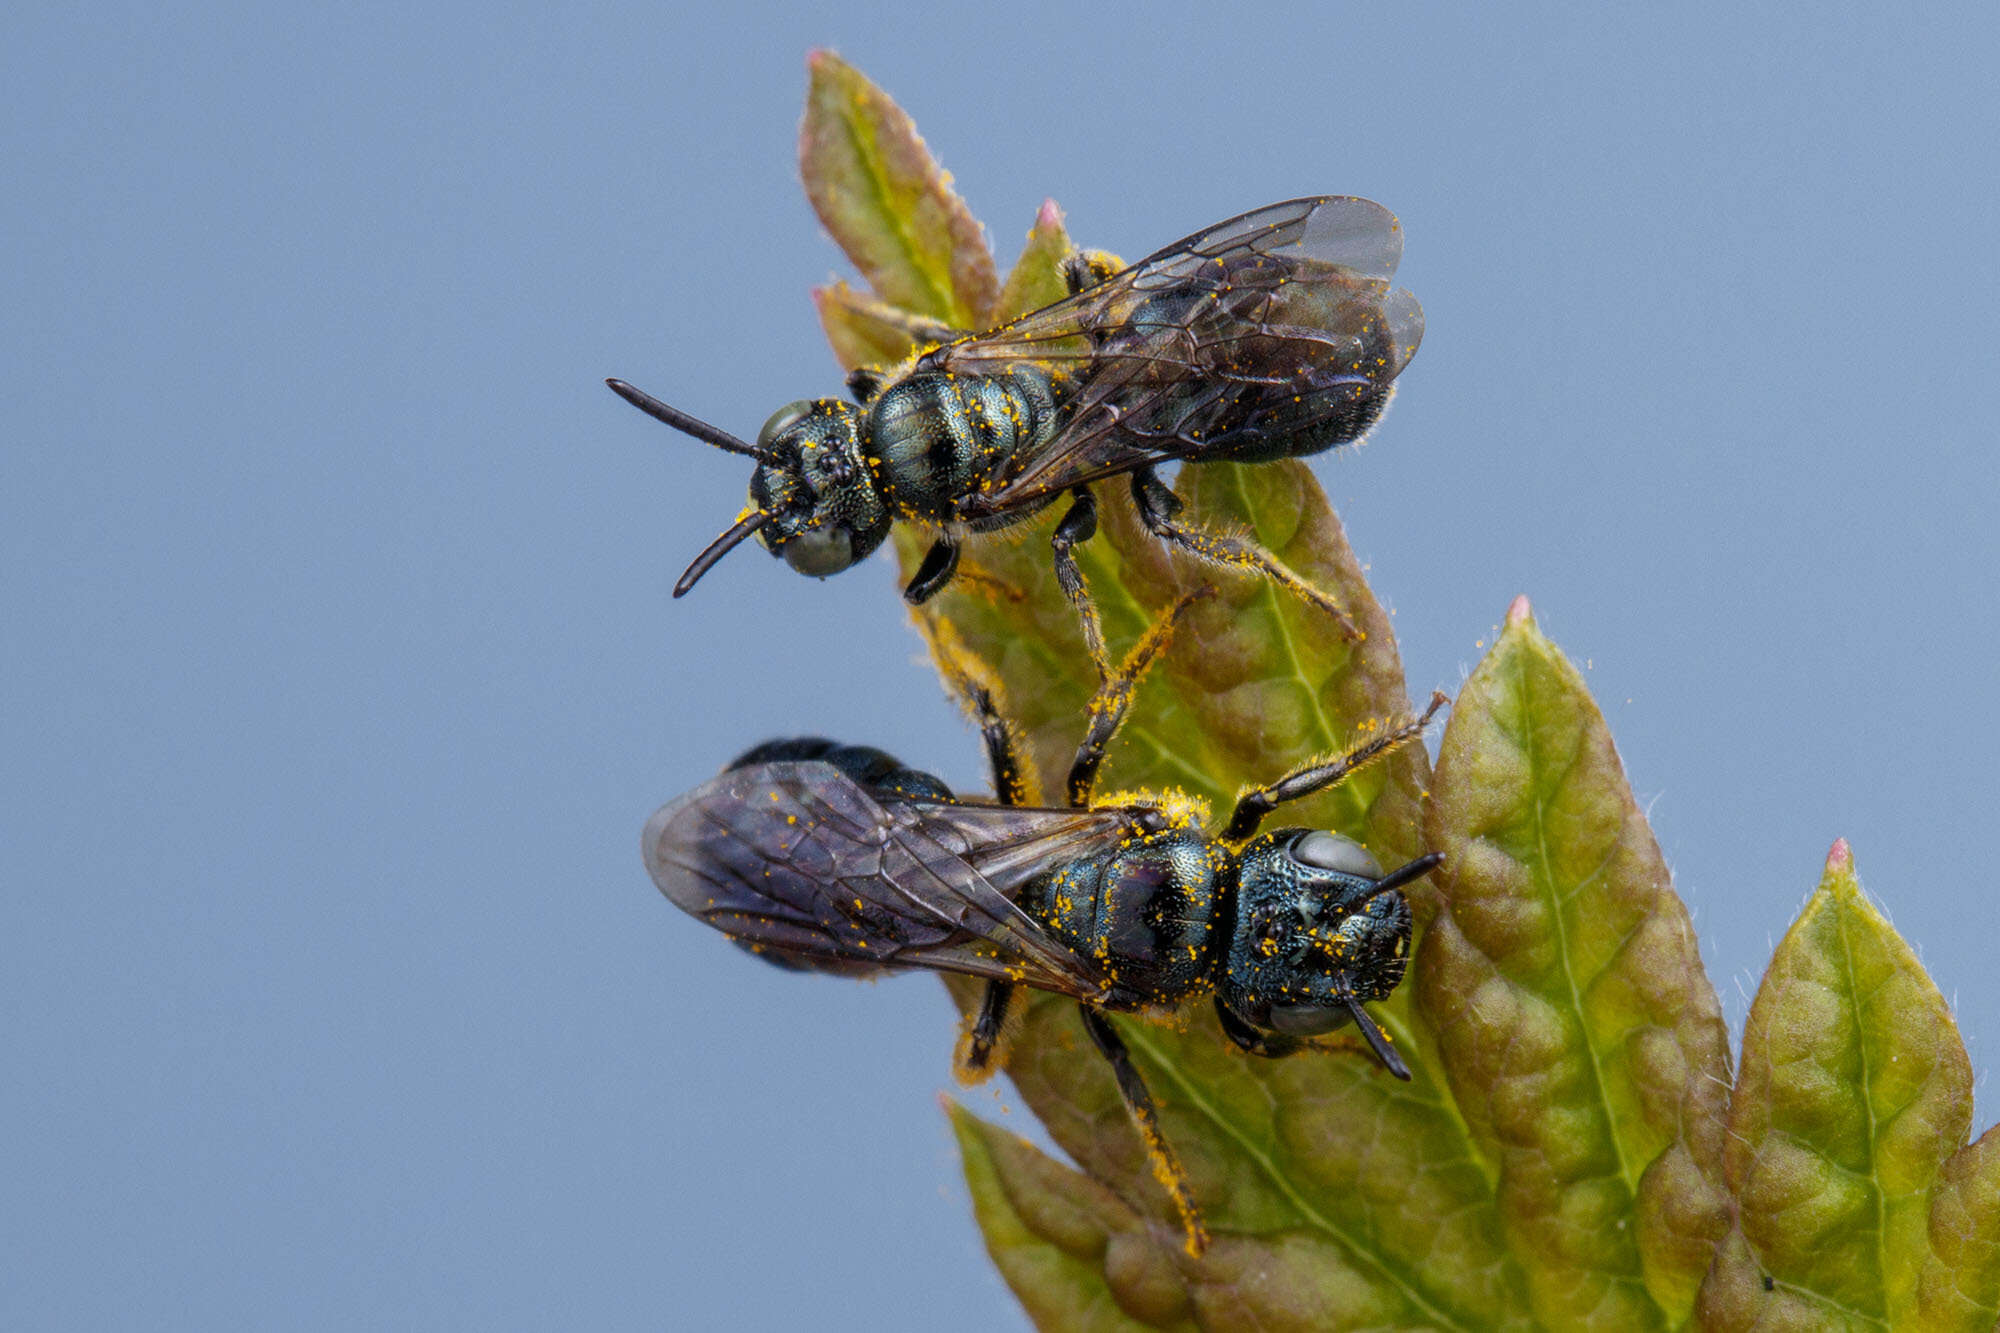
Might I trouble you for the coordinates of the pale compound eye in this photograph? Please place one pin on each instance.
(1308, 1020)
(819, 551)
(782, 420)
(1330, 851)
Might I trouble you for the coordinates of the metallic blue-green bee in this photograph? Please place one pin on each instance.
(840, 859)
(1272, 335)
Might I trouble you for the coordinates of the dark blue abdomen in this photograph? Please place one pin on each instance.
(1142, 914)
(939, 440)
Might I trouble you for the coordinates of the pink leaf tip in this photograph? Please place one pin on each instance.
(1050, 216)
(1839, 860)
(1519, 612)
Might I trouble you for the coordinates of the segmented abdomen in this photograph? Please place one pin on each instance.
(1142, 913)
(940, 440)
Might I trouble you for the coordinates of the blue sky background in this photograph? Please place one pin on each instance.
(340, 669)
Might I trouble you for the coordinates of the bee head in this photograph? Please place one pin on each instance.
(812, 497)
(814, 488)
(1319, 930)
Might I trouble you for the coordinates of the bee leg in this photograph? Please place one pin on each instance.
(1253, 805)
(1079, 525)
(1272, 1044)
(986, 585)
(983, 1049)
(1276, 1046)
(864, 382)
(1084, 269)
(1139, 1103)
(922, 331)
(918, 330)
(1010, 782)
(969, 678)
(1108, 705)
(940, 563)
(1158, 506)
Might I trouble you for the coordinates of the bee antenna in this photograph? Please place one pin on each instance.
(718, 548)
(681, 421)
(1404, 874)
(1377, 1039)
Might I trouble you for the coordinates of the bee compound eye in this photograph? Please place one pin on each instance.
(1330, 851)
(819, 551)
(1308, 1020)
(782, 420)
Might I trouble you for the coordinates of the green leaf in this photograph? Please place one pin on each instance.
(1854, 1094)
(1568, 1153)
(1579, 1032)
(887, 203)
(1329, 1186)
(1338, 1196)
(862, 330)
(1079, 1258)
(1960, 1286)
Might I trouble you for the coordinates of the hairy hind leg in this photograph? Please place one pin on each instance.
(1108, 706)
(1139, 1103)
(978, 689)
(1159, 508)
(1078, 526)
(983, 1048)
(1253, 805)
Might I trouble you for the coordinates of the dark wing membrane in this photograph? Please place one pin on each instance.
(800, 860)
(1269, 327)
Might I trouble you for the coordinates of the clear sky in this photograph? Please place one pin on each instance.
(340, 670)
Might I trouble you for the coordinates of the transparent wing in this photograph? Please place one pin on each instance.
(1265, 327)
(799, 859)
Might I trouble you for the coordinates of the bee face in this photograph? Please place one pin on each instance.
(814, 487)
(1314, 935)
